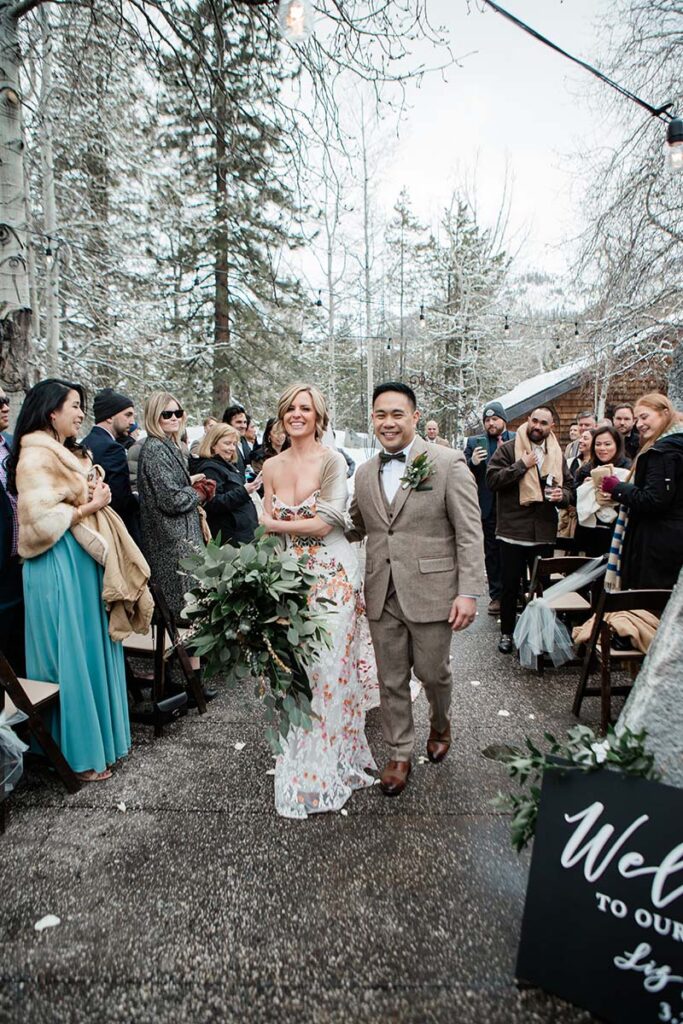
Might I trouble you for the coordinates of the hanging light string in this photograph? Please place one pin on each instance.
(659, 112)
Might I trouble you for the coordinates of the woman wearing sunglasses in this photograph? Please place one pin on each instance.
(169, 501)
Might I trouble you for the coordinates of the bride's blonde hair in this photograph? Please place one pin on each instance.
(322, 417)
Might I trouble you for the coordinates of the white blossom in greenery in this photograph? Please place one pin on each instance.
(600, 750)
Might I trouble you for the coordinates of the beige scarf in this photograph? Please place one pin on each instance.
(530, 484)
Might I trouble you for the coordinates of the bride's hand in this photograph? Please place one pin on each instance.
(269, 523)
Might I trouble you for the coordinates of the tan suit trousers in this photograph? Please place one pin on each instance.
(400, 645)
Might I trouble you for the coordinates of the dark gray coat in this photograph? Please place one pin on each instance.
(169, 516)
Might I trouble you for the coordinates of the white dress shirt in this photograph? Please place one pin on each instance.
(391, 473)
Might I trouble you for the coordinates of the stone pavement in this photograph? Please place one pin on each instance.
(198, 904)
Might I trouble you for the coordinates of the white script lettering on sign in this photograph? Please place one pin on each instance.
(631, 864)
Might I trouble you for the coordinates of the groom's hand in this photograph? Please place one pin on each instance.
(463, 613)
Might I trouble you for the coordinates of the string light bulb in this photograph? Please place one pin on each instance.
(507, 325)
(674, 144)
(576, 329)
(49, 256)
(422, 321)
(319, 300)
(295, 18)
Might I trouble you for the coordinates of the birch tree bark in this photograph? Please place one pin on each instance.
(15, 309)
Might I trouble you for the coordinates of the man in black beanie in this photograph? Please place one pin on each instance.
(114, 413)
(478, 451)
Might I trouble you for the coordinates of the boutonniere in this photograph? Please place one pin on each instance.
(419, 470)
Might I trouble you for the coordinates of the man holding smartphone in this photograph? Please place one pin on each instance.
(478, 451)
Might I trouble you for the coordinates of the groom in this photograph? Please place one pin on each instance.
(417, 504)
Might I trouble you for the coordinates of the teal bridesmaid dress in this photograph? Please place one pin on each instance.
(67, 641)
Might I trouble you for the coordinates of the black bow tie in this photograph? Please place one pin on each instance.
(385, 457)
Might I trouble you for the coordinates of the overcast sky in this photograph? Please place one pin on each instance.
(511, 102)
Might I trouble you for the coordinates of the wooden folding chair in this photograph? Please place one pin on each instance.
(601, 651)
(162, 642)
(574, 606)
(33, 697)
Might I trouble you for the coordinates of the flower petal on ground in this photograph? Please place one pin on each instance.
(49, 921)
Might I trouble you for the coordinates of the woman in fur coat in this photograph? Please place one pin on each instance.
(67, 637)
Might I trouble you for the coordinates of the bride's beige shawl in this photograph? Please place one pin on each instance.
(51, 482)
(333, 496)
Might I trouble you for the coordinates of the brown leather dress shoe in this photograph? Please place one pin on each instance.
(394, 778)
(438, 744)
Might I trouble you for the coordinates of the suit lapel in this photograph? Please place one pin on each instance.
(375, 488)
(403, 493)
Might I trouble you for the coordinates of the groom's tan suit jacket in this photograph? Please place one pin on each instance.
(428, 542)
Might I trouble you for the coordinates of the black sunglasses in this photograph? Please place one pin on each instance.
(4, 400)
(169, 414)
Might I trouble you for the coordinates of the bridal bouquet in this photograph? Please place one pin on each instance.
(250, 618)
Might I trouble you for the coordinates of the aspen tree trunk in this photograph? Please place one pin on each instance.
(15, 309)
(49, 204)
(366, 266)
(331, 310)
(221, 335)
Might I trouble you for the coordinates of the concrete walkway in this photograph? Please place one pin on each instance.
(198, 904)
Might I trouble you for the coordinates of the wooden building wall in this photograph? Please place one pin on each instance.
(570, 404)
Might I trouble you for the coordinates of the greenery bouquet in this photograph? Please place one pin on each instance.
(251, 617)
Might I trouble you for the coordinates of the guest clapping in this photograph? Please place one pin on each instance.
(652, 551)
(231, 512)
(67, 637)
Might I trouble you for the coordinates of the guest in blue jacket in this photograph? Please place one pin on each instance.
(11, 590)
(114, 414)
(478, 451)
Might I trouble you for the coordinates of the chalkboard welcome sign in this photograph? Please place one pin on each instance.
(603, 920)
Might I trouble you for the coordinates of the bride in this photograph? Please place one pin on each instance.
(305, 498)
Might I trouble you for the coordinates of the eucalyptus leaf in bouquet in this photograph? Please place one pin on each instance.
(251, 618)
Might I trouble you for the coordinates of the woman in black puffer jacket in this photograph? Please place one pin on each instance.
(652, 553)
(231, 512)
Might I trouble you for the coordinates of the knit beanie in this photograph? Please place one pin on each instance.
(494, 409)
(108, 402)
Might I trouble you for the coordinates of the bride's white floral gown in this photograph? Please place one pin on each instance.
(319, 770)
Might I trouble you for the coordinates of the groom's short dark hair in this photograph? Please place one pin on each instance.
(393, 385)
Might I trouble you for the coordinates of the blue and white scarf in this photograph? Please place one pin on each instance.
(613, 574)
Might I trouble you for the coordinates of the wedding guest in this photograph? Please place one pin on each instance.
(271, 443)
(133, 457)
(606, 448)
(478, 450)
(11, 588)
(207, 423)
(236, 416)
(129, 439)
(432, 434)
(67, 636)
(250, 435)
(169, 503)
(625, 422)
(114, 413)
(572, 448)
(231, 512)
(582, 456)
(652, 550)
(531, 481)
